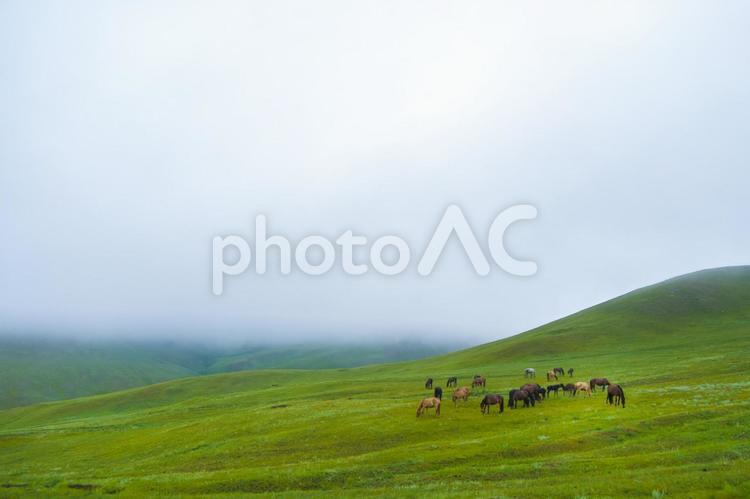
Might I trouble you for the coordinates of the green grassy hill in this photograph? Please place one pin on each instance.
(40, 369)
(680, 350)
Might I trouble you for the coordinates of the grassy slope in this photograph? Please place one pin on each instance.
(680, 349)
(40, 370)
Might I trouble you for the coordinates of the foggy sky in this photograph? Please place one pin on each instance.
(132, 133)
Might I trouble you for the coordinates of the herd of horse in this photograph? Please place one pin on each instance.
(528, 394)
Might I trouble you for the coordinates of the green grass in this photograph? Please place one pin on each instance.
(679, 349)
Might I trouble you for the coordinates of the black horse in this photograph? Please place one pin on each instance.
(555, 388)
(570, 372)
(438, 393)
(428, 384)
(492, 399)
(452, 381)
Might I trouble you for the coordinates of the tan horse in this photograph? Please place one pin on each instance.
(551, 375)
(429, 403)
(582, 386)
(461, 394)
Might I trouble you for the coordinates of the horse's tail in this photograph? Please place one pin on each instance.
(622, 397)
(502, 403)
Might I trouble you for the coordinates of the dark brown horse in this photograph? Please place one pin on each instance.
(452, 381)
(428, 384)
(535, 390)
(570, 388)
(438, 393)
(479, 381)
(594, 382)
(516, 396)
(616, 395)
(570, 372)
(492, 399)
(559, 371)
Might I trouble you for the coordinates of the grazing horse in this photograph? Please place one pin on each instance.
(479, 381)
(461, 394)
(582, 386)
(603, 382)
(529, 372)
(438, 393)
(492, 399)
(428, 384)
(570, 372)
(615, 395)
(429, 403)
(551, 375)
(559, 371)
(571, 388)
(534, 390)
(555, 388)
(452, 381)
(516, 396)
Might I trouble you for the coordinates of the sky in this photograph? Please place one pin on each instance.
(133, 133)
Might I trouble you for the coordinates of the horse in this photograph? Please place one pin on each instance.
(516, 396)
(479, 381)
(555, 388)
(438, 393)
(582, 386)
(570, 387)
(529, 372)
(616, 395)
(428, 384)
(543, 392)
(570, 372)
(594, 382)
(452, 381)
(492, 399)
(551, 375)
(534, 390)
(559, 370)
(429, 403)
(460, 394)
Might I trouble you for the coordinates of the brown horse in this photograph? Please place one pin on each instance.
(516, 396)
(616, 395)
(551, 375)
(492, 399)
(603, 382)
(479, 381)
(429, 403)
(582, 386)
(461, 394)
(535, 390)
(559, 371)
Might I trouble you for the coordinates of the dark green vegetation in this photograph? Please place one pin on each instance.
(680, 350)
(40, 370)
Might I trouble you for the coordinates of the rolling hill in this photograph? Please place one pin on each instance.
(39, 369)
(679, 349)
